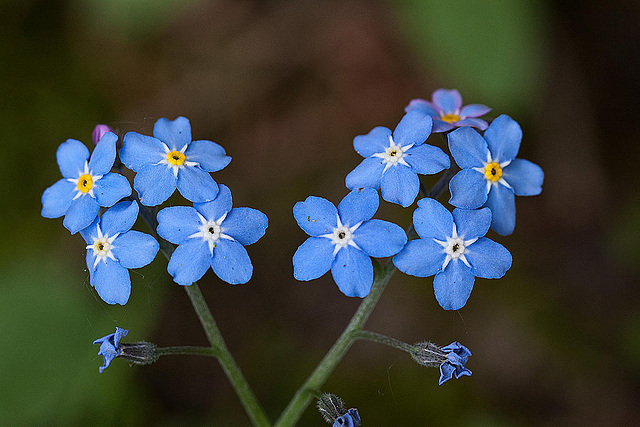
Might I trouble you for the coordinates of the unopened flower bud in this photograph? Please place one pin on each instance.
(332, 409)
(98, 131)
(451, 358)
(140, 353)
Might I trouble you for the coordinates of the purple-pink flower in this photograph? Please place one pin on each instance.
(447, 111)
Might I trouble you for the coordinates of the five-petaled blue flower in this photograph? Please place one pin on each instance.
(113, 248)
(447, 111)
(457, 356)
(110, 346)
(452, 248)
(86, 185)
(491, 175)
(171, 159)
(392, 161)
(343, 240)
(212, 235)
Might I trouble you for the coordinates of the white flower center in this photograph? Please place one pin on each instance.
(393, 155)
(492, 170)
(85, 182)
(342, 236)
(455, 247)
(102, 247)
(175, 159)
(211, 231)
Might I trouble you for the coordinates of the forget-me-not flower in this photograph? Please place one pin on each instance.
(171, 159)
(86, 185)
(110, 346)
(491, 175)
(211, 234)
(447, 111)
(453, 248)
(457, 357)
(393, 161)
(343, 240)
(113, 248)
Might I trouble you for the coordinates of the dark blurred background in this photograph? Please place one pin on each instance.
(284, 86)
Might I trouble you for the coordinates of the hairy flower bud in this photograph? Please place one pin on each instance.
(428, 354)
(140, 353)
(451, 358)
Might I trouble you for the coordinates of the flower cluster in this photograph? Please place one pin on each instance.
(210, 233)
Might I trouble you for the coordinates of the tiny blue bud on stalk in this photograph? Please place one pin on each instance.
(332, 409)
(451, 358)
(140, 353)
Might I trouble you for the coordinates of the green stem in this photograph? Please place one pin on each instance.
(186, 350)
(218, 346)
(303, 396)
(383, 339)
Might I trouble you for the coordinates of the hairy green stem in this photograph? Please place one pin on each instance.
(383, 339)
(186, 350)
(218, 346)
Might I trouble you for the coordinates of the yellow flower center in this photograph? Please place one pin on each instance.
(493, 171)
(85, 183)
(175, 158)
(450, 118)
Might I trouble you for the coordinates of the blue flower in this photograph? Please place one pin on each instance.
(392, 162)
(87, 183)
(457, 356)
(169, 160)
(212, 235)
(452, 248)
(491, 175)
(110, 346)
(447, 111)
(112, 248)
(343, 240)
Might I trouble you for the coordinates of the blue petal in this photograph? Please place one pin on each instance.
(81, 213)
(524, 177)
(461, 370)
(189, 261)
(104, 154)
(71, 156)
(353, 272)
(89, 259)
(120, 218)
(432, 220)
(471, 224)
(453, 285)
(209, 155)
(441, 126)
(422, 106)
(139, 151)
(57, 199)
(420, 258)
(366, 175)
(316, 216)
(111, 188)
(154, 184)
(134, 249)
(120, 333)
(112, 282)
(414, 128)
(502, 203)
(89, 234)
(375, 141)
(246, 225)
(488, 259)
(449, 101)
(474, 110)
(313, 258)
(473, 122)
(175, 133)
(215, 209)
(446, 373)
(196, 185)
(379, 238)
(468, 148)
(468, 189)
(231, 262)
(177, 223)
(357, 206)
(426, 159)
(400, 185)
(503, 136)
